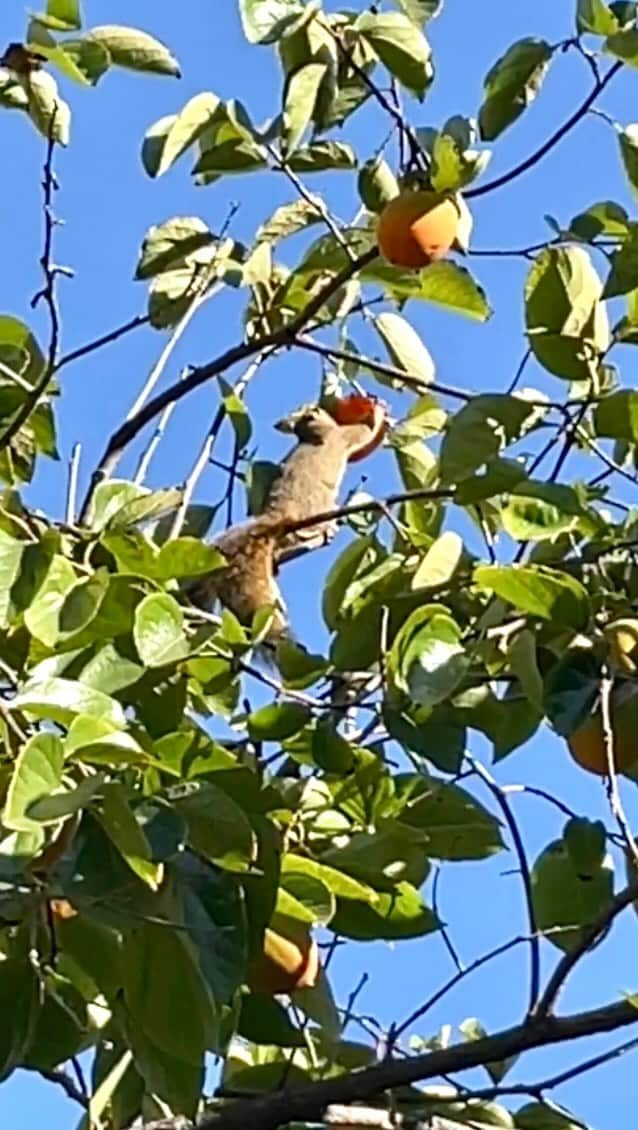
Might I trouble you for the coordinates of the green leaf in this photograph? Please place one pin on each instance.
(37, 773)
(420, 11)
(10, 558)
(49, 112)
(401, 47)
(183, 131)
(122, 828)
(81, 604)
(456, 826)
(616, 417)
(539, 591)
(135, 50)
(288, 220)
(217, 827)
(377, 184)
(61, 1027)
(444, 284)
(454, 166)
(39, 40)
(567, 325)
(405, 347)
(19, 348)
(595, 18)
(547, 1115)
(42, 617)
(158, 630)
(440, 562)
(166, 996)
(480, 431)
(302, 90)
(623, 276)
(187, 557)
(567, 898)
(354, 558)
(277, 722)
(624, 45)
(20, 998)
(237, 414)
(51, 809)
(521, 653)
(606, 219)
(170, 244)
(60, 700)
(427, 659)
(321, 156)
(65, 15)
(91, 59)
(537, 511)
(397, 914)
(263, 1020)
(265, 21)
(341, 885)
(512, 84)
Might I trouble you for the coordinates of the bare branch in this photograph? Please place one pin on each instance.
(105, 339)
(552, 142)
(307, 1103)
(519, 848)
(281, 337)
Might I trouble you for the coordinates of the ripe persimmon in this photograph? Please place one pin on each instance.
(284, 964)
(587, 743)
(358, 409)
(417, 228)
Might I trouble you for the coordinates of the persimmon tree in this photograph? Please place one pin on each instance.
(178, 813)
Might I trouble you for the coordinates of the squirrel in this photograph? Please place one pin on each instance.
(308, 483)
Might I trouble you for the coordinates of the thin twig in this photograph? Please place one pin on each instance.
(72, 484)
(61, 1079)
(155, 440)
(552, 141)
(589, 935)
(615, 802)
(526, 878)
(203, 456)
(104, 339)
(445, 933)
(286, 335)
(453, 981)
(315, 202)
(47, 295)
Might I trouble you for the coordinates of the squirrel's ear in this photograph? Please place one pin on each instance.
(290, 422)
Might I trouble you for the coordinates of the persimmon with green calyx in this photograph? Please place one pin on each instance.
(417, 228)
(587, 742)
(359, 409)
(286, 962)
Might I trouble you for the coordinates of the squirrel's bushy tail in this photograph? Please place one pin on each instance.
(247, 582)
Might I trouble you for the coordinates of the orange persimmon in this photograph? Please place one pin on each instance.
(285, 963)
(417, 228)
(358, 409)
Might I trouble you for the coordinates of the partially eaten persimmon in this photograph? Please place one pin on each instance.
(359, 409)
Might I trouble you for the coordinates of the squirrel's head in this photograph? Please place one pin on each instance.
(310, 423)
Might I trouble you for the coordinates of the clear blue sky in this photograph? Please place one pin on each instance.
(107, 204)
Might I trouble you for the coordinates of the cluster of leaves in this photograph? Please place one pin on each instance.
(153, 822)
(52, 37)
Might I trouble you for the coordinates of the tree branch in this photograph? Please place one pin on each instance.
(306, 1104)
(246, 349)
(547, 146)
(590, 934)
(105, 339)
